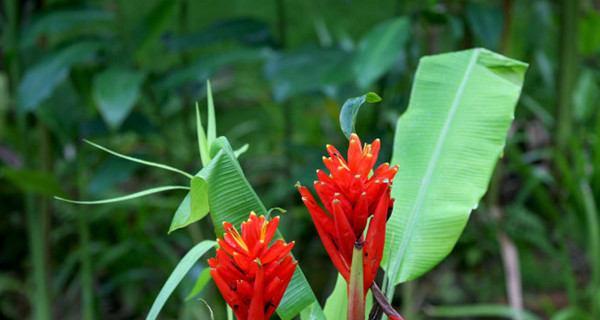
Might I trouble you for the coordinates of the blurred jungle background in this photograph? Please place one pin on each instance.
(126, 74)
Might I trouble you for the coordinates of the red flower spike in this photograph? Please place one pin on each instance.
(251, 273)
(351, 194)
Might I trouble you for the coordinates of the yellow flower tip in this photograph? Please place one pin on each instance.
(252, 214)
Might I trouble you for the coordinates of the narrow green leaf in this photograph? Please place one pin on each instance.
(350, 111)
(148, 163)
(115, 91)
(479, 311)
(127, 197)
(201, 282)
(211, 133)
(446, 146)
(380, 49)
(202, 141)
(182, 268)
(194, 207)
(241, 150)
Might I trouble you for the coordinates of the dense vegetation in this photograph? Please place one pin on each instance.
(127, 74)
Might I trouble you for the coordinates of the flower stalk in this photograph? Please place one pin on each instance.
(356, 292)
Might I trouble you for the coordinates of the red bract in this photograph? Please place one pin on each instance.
(251, 274)
(350, 195)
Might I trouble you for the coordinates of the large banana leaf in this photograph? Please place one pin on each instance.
(231, 198)
(446, 146)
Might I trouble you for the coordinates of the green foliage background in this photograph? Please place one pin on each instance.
(126, 74)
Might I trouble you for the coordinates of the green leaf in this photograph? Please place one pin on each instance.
(380, 49)
(202, 141)
(350, 111)
(144, 162)
(211, 130)
(479, 311)
(201, 282)
(182, 268)
(40, 80)
(585, 96)
(308, 70)
(115, 92)
(60, 24)
(127, 197)
(194, 206)
(231, 198)
(154, 24)
(249, 31)
(446, 146)
(336, 305)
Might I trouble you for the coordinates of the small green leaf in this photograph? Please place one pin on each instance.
(144, 162)
(115, 92)
(201, 282)
(182, 268)
(127, 197)
(194, 207)
(350, 111)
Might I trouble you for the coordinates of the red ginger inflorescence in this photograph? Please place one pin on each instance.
(350, 195)
(251, 274)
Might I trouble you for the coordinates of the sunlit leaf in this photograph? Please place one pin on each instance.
(182, 268)
(116, 91)
(446, 146)
(194, 206)
(380, 49)
(350, 111)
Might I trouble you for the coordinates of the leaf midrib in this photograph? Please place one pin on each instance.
(430, 168)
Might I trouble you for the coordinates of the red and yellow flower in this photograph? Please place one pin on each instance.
(252, 274)
(351, 194)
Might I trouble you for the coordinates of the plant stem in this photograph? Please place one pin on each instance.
(356, 293)
(567, 70)
(86, 271)
(39, 299)
(384, 303)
